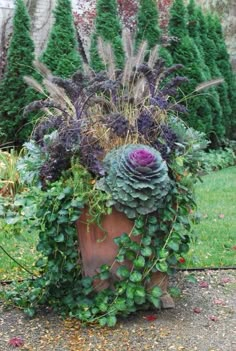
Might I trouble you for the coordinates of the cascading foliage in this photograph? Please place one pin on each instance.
(137, 179)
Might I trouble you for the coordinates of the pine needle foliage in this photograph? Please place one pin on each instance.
(148, 29)
(107, 27)
(217, 95)
(61, 55)
(184, 51)
(222, 60)
(147, 24)
(13, 95)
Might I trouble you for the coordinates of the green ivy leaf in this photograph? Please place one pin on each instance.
(135, 277)
(111, 321)
(123, 272)
(146, 251)
(156, 291)
(139, 223)
(162, 266)
(140, 292)
(146, 240)
(102, 321)
(173, 245)
(60, 238)
(152, 220)
(104, 275)
(130, 255)
(155, 301)
(130, 292)
(103, 307)
(139, 262)
(120, 304)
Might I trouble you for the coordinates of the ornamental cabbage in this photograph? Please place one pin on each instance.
(137, 179)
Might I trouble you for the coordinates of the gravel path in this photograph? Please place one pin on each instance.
(204, 320)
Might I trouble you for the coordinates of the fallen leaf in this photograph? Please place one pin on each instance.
(197, 310)
(214, 318)
(225, 280)
(203, 284)
(219, 302)
(234, 247)
(16, 341)
(151, 317)
(221, 216)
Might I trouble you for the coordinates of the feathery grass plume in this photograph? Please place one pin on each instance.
(128, 43)
(106, 53)
(153, 56)
(42, 69)
(33, 83)
(209, 84)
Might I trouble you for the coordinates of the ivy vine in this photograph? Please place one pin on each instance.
(163, 240)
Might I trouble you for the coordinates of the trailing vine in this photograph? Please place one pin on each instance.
(163, 239)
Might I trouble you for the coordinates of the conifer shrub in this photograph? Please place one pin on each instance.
(15, 128)
(107, 27)
(61, 55)
(184, 51)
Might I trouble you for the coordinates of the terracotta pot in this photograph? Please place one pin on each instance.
(97, 247)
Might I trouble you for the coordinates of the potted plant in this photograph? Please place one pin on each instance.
(115, 159)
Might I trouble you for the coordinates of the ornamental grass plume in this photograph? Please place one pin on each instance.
(90, 114)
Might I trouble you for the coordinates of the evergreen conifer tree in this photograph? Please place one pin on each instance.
(107, 27)
(185, 51)
(148, 28)
(216, 96)
(147, 24)
(223, 64)
(61, 55)
(13, 90)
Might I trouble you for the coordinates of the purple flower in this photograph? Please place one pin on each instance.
(141, 158)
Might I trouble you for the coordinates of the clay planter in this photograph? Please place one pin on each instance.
(97, 247)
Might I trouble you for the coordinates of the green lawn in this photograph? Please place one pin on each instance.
(22, 248)
(216, 233)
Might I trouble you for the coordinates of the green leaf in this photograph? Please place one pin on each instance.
(156, 291)
(30, 312)
(146, 251)
(104, 275)
(146, 240)
(140, 292)
(103, 307)
(130, 292)
(152, 220)
(139, 223)
(123, 272)
(120, 304)
(130, 255)
(162, 266)
(120, 258)
(135, 277)
(102, 321)
(173, 245)
(155, 301)
(139, 262)
(60, 238)
(111, 321)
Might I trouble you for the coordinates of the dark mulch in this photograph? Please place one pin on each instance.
(204, 320)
